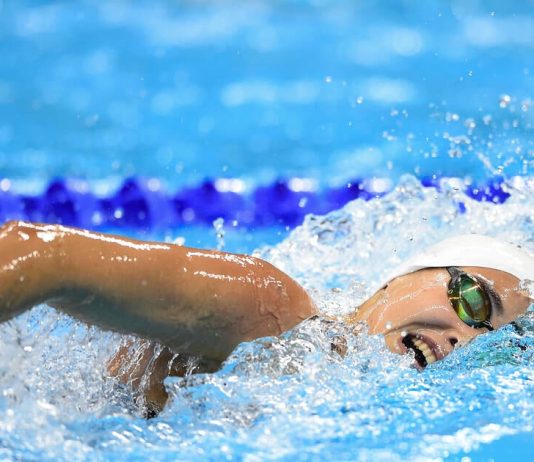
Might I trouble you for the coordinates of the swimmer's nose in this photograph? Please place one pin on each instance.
(462, 334)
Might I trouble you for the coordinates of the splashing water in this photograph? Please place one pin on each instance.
(294, 397)
(218, 225)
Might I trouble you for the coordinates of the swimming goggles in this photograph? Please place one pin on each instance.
(471, 299)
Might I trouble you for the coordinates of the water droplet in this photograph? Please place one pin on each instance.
(97, 218)
(359, 100)
(504, 101)
(388, 136)
(218, 224)
(452, 117)
(328, 79)
(180, 240)
(455, 153)
(527, 286)
(389, 325)
(487, 119)
(5, 184)
(470, 123)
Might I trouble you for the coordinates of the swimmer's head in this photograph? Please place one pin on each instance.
(447, 295)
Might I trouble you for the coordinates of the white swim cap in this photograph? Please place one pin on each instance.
(472, 250)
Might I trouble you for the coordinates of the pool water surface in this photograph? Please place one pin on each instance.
(323, 92)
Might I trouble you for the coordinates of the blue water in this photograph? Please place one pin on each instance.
(337, 89)
(292, 398)
(326, 90)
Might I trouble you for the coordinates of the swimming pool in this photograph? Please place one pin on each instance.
(321, 92)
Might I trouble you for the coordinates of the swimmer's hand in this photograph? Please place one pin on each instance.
(195, 301)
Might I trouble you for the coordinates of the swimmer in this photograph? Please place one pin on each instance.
(202, 303)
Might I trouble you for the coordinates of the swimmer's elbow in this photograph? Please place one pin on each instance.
(281, 302)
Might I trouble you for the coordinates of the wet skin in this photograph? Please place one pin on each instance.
(417, 305)
(204, 303)
(193, 301)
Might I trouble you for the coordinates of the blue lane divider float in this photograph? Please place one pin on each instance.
(142, 203)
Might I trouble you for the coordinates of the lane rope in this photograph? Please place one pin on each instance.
(142, 203)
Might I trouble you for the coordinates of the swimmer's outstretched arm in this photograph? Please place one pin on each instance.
(195, 301)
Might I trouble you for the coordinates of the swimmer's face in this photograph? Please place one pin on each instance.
(414, 312)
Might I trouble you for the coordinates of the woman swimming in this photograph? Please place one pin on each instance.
(204, 303)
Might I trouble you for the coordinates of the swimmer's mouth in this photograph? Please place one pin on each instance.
(424, 352)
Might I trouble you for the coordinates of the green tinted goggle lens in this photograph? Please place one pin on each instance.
(469, 300)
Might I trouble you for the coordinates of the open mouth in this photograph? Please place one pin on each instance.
(423, 352)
